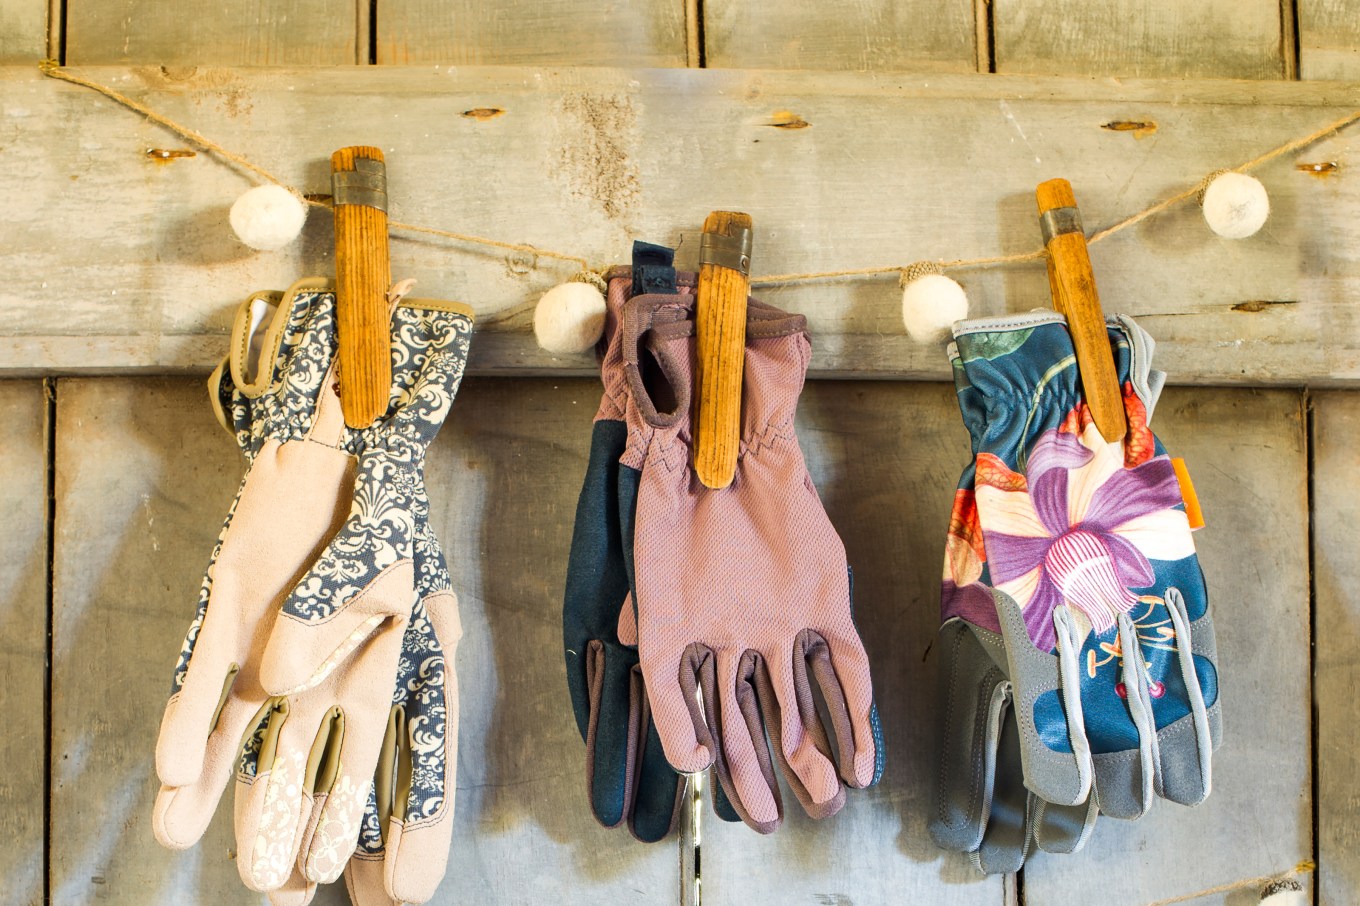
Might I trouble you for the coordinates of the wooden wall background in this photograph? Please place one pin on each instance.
(123, 272)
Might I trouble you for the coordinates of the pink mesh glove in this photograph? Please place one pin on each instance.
(743, 594)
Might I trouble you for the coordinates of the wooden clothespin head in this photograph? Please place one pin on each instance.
(720, 338)
(1073, 286)
(363, 272)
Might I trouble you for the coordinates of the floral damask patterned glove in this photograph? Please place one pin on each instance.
(344, 623)
(1078, 654)
(305, 772)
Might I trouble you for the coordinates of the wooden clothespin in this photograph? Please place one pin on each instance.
(720, 338)
(1073, 286)
(363, 272)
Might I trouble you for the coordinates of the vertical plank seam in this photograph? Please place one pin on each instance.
(1310, 448)
(56, 31)
(50, 525)
(695, 53)
(1289, 39)
(372, 32)
(984, 27)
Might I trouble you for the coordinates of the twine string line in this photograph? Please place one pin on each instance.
(51, 69)
(1302, 868)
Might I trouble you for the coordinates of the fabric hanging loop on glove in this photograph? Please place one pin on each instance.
(628, 779)
(743, 597)
(1070, 568)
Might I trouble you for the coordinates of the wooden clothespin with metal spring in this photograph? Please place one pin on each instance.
(720, 340)
(363, 273)
(1073, 286)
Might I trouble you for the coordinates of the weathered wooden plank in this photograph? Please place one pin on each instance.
(210, 33)
(553, 32)
(1236, 39)
(139, 253)
(1247, 453)
(1336, 577)
(842, 34)
(145, 476)
(503, 481)
(23, 639)
(890, 501)
(1329, 39)
(23, 31)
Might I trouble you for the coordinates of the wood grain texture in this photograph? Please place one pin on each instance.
(146, 476)
(720, 356)
(842, 34)
(885, 458)
(1232, 39)
(573, 163)
(1329, 39)
(1073, 289)
(363, 275)
(1247, 454)
(211, 33)
(1336, 574)
(551, 32)
(23, 31)
(23, 639)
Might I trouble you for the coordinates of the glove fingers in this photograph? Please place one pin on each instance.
(974, 695)
(612, 732)
(744, 766)
(792, 719)
(188, 722)
(421, 823)
(848, 694)
(1063, 828)
(1124, 779)
(182, 814)
(364, 881)
(658, 788)
(1058, 776)
(315, 633)
(296, 891)
(1006, 838)
(1185, 771)
(273, 803)
(722, 805)
(679, 718)
(344, 757)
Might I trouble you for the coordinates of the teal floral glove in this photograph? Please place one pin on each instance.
(1078, 658)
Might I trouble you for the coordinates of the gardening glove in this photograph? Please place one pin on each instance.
(743, 595)
(1066, 552)
(333, 653)
(627, 776)
(270, 392)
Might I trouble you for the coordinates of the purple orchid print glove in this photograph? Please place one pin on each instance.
(1078, 660)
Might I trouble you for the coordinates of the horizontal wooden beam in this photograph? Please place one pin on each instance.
(117, 260)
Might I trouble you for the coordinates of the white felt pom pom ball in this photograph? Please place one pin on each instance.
(1284, 892)
(1235, 205)
(267, 217)
(931, 302)
(570, 316)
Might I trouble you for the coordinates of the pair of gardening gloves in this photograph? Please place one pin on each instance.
(1078, 672)
(317, 675)
(699, 623)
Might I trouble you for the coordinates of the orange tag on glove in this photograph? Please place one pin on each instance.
(1192, 510)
